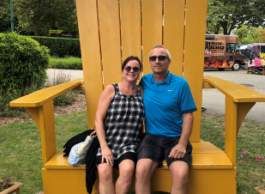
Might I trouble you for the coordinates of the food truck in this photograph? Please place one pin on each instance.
(222, 52)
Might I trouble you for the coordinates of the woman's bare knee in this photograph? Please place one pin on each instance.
(126, 170)
(104, 173)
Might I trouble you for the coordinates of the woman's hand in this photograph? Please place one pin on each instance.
(107, 155)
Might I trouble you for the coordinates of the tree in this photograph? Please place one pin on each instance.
(226, 15)
(4, 21)
(247, 35)
(262, 36)
(42, 15)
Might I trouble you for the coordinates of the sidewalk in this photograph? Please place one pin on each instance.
(69, 73)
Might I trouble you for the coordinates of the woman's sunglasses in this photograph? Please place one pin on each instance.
(128, 69)
(160, 58)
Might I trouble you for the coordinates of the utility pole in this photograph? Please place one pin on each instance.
(11, 14)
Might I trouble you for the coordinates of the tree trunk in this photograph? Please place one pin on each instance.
(35, 26)
(34, 20)
(231, 28)
(224, 25)
(217, 28)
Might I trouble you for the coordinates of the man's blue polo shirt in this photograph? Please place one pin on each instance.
(165, 103)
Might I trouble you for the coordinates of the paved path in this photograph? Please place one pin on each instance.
(213, 100)
(68, 73)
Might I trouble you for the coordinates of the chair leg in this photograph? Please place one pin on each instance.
(253, 70)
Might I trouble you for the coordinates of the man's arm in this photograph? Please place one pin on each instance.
(179, 150)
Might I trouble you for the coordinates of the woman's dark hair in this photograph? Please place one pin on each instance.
(250, 60)
(130, 59)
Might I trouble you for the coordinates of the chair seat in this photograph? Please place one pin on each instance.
(205, 156)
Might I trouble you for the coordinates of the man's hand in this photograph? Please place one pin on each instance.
(178, 151)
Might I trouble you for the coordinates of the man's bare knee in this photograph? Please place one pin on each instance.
(180, 174)
(145, 168)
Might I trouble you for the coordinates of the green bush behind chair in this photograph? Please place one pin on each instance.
(23, 64)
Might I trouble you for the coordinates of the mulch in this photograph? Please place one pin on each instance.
(78, 105)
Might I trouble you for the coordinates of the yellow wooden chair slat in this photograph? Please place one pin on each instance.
(110, 30)
(195, 26)
(130, 15)
(151, 29)
(174, 32)
(110, 40)
(91, 57)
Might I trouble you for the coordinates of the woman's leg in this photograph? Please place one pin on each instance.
(105, 173)
(126, 170)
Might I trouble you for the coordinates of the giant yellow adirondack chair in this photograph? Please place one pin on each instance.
(110, 31)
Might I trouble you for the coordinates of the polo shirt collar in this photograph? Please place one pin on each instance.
(166, 81)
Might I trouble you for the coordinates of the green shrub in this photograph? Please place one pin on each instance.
(5, 109)
(23, 62)
(65, 63)
(60, 46)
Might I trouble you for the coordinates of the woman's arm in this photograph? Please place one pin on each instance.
(103, 105)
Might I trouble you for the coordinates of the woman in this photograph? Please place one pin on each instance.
(119, 121)
(257, 64)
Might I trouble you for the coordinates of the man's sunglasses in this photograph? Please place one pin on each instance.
(160, 58)
(135, 69)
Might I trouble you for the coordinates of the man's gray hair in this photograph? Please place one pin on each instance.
(159, 46)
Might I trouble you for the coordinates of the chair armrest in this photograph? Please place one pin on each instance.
(239, 100)
(40, 97)
(234, 91)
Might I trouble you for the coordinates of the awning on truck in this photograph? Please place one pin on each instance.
(210, 37)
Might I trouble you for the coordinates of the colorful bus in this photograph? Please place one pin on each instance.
(247, 49)
(224, 52)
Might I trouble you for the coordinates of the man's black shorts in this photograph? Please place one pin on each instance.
(158, 148)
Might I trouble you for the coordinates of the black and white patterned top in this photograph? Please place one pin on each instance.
(124, 123)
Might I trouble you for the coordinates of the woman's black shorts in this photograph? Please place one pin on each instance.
(129, 155)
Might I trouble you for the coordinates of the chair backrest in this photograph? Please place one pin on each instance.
(111, 30)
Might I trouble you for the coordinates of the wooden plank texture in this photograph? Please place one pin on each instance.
(109, 23)
(174, 32)
(152, 29)
(130, 28)
(90, 50)
(195, 30)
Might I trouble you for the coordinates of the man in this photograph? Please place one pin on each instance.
(168, 123)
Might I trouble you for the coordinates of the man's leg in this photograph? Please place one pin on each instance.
(105, 179)
(179, 167)
(126, 170)
(179, 172)
(144, 171)
(150, 154)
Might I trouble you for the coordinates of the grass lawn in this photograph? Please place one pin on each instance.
(65, 63)
(21, 149)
